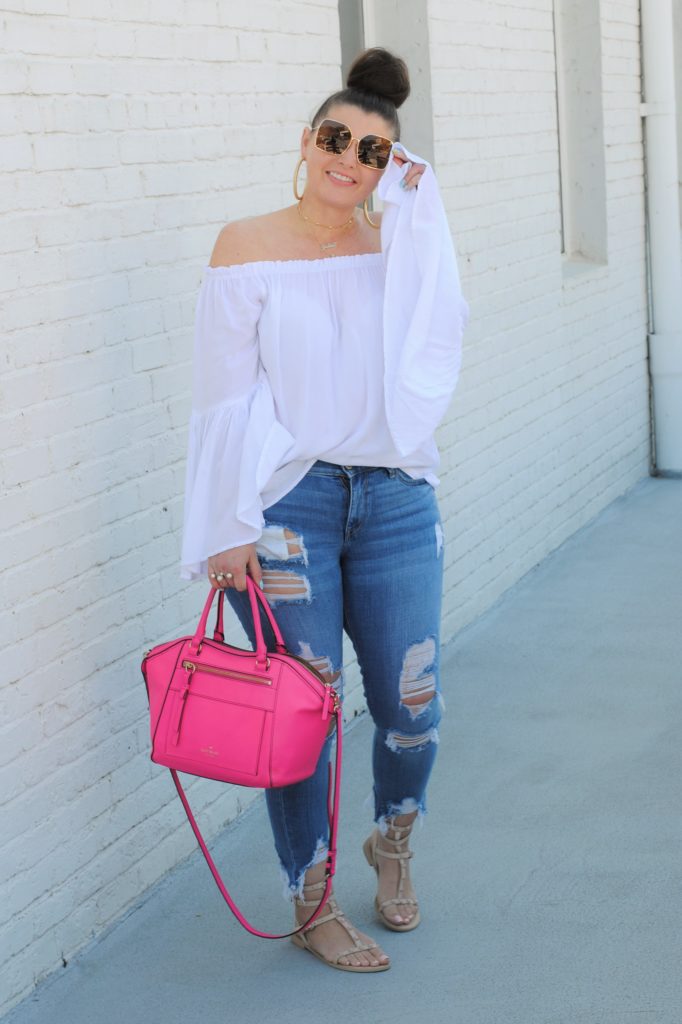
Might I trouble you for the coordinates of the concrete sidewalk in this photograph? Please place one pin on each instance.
(549, 868)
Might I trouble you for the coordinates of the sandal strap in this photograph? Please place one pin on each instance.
(360, 947)
(337, 915)
(402, 857)
(385, 903)
(300, 901)
(315, 885)
(393, 856)
(334, 914)
(321, 920)
(400, 829)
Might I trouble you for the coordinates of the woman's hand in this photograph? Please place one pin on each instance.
(237, 561)
(414, 173)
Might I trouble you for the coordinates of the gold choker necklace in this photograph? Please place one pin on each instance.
(336, 227)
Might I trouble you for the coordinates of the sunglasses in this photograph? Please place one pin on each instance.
(334, 137)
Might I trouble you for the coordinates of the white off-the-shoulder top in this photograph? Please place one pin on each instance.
(342, 358)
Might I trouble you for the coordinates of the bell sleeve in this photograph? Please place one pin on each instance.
(234, 439)
(425, 312)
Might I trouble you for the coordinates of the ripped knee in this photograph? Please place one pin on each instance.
(397, 741)
(282, 585)
(417, 677)
(281, 544)
(323, 664)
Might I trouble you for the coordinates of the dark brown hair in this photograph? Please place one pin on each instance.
(378, 82)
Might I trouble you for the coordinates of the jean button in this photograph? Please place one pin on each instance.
(347, 467)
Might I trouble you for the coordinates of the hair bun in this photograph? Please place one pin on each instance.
(378, 71)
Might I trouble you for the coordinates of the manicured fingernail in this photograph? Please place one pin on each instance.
(402, 183)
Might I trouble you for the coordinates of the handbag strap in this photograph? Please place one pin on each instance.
(256, 597)
(219, 630)
(333, 812)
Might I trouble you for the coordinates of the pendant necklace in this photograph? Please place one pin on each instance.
(337, 227)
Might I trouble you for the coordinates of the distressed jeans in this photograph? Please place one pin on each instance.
(360, 549)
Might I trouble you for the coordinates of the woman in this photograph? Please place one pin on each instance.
(326, 351)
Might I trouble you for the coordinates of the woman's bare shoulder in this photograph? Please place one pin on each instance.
(245, 240)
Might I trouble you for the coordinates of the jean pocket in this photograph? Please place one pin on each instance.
(410, 480)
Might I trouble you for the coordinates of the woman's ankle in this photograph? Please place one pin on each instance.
(311, 892)
(399, 828)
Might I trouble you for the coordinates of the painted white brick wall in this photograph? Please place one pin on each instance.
(550, 421)
(126, 145)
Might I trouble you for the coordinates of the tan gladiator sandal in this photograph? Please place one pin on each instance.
(301, 939)
(372, 851)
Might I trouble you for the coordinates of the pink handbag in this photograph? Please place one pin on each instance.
(252, 718)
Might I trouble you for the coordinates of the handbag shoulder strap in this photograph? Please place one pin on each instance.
(333, 811)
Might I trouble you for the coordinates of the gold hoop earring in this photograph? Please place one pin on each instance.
(367, 216)
(298, 167)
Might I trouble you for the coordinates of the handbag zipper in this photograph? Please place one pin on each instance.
(325, 682)
(329, 692)
(192, 666)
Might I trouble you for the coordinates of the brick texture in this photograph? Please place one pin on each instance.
(126, 145)
(550, 421)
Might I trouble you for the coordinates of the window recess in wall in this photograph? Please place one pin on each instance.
(352, 35)
(385, 23)
(352, 32)
(582, 172)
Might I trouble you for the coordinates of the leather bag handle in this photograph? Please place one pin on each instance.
(219, 630)
(256, 597)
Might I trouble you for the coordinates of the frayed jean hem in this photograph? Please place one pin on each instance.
(293, 888)
(383, 815)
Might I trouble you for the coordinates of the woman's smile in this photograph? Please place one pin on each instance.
(340, 179)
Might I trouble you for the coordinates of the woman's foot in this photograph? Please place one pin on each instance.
(332, 938)
(389, 855)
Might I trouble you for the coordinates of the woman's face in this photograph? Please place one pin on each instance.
(319, 165)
